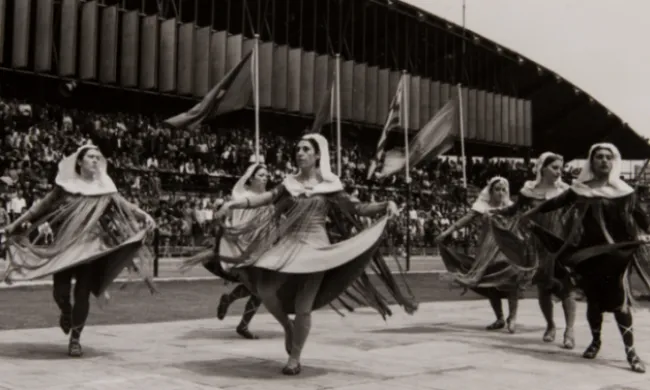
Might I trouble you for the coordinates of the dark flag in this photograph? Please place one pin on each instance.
(232, 93)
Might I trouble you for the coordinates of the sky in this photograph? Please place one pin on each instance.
(598, 45)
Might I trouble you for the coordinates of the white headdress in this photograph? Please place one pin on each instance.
(240, 187)
(482, 203)
(68, 179)
(324, 167)
(331, 182)
(530, 187)
(615, 188)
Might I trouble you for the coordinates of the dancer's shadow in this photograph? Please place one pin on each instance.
(521, 329)
(417, 329)
(558, 355)
(43, 351)
(247, 368)
(227, 334)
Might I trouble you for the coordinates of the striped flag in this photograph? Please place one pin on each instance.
(394, 120)
(232, 93)
(435, 138)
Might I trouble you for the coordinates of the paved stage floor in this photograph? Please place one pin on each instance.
(443, 346)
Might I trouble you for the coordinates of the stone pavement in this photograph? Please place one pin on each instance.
(443, 346)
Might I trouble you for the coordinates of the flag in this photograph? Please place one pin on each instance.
(435, 138)
(393, 121)
(232, 93)
(325, 113)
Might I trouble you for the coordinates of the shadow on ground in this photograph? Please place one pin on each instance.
(44, 351)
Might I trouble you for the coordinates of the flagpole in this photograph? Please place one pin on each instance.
(461, 126)
(338, 115)
(256, 77)
(407, 167)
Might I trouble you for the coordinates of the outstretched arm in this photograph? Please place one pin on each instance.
(255, 201)
(563, 200)
(370, 209)
(514, 208)
(464, 221)
(36, 211)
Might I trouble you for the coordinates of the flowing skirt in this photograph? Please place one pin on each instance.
(108, 261)
(308, 256)
(601, 271)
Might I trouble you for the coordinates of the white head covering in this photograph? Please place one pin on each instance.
(331, 182)
(68, 178)
(530, 187)
(482, 203)
(240, 189)
(324, 167)
(615, 187)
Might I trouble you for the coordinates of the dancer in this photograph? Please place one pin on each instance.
(488, 274)
(601, 242)
(97, 235)
(251, 183)
(292, 265)
(550, 278)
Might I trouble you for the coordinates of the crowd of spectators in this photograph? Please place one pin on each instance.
(182, 176)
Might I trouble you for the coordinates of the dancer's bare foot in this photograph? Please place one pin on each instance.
(292, 368)
(569, 339)
(245, 333)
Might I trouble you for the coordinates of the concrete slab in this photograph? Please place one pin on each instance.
(442, 347)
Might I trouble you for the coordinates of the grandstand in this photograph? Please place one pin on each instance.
(135, 62)
(178, 48)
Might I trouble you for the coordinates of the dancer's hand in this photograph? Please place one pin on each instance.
(224, 211)
(392, 209)
(149, 222)
(644, 237)
(8, 230)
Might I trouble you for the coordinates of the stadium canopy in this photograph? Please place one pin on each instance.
(565, 118)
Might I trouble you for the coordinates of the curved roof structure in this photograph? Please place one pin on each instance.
(565, 118)
(180, 47)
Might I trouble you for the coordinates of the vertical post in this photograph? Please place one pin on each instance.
(256, 78)
(407, 166)
(461, 123)
(156, 252)
(337, 88)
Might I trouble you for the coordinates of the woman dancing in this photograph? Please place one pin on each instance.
(97, 235)
(292, 264)
(551, 278)
(253, 182)
(488, 274)
(601, 242)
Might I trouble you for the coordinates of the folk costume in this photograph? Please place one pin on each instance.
(222, 270)
(488, 273)
(97, 234)
(305, 255)
(601, 245)
(552, 279)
